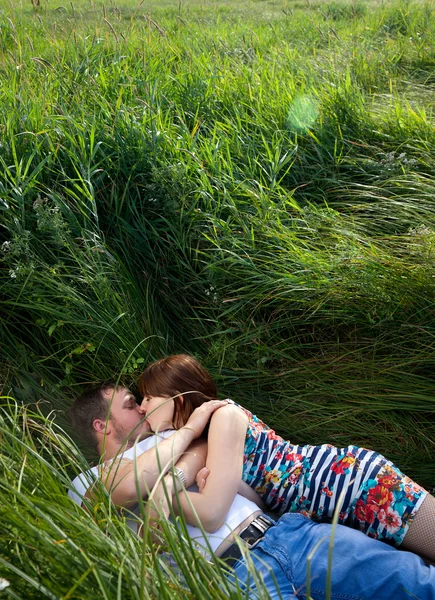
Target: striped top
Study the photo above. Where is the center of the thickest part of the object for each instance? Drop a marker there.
(372, 493)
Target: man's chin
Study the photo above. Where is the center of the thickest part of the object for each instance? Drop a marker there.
(145, 430)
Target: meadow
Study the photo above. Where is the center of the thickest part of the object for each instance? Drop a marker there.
(251, 182)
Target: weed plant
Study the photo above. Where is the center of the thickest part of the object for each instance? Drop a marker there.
(251, 182)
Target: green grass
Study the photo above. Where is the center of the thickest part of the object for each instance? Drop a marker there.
(251, 182)
(51, 548)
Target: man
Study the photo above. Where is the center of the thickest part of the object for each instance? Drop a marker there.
(362, 568)
(110, 421)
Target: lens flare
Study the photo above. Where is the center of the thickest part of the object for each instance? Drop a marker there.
(302, 114)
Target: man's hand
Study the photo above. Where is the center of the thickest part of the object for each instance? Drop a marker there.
(201, 478)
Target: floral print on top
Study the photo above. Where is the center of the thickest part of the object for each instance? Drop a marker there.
(375, 496)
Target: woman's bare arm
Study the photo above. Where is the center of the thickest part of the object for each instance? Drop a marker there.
(244, 490)
(226, 442)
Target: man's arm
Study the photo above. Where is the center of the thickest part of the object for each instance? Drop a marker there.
(162, 495)
(127, 481)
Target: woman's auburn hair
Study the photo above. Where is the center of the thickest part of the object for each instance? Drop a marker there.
(175, 375)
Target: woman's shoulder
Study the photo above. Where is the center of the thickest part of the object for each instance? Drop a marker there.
(230, 417)
(233, 410)
(257, 427)
(245, 410)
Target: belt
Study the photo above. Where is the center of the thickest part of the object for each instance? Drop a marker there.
(251, 535)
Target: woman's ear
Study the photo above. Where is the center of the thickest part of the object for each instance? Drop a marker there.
(180, 418)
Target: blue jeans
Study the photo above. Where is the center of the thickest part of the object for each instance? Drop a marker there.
(362, 568)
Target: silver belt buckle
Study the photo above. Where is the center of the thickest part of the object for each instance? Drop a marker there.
(262, 525)
(251, 546)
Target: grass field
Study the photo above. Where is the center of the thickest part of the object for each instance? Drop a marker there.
(251, 182)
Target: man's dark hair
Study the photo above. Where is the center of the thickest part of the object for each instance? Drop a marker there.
(87, 407)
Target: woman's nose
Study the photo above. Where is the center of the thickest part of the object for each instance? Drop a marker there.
(143, 406)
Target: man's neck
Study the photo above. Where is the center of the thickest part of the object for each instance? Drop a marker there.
(110, 449)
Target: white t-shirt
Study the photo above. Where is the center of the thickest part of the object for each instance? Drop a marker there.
(82, 482)
(240, 510)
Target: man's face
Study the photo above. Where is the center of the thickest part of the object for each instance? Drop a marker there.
(125, 417)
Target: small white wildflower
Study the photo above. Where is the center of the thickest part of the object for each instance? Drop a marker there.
(13, 273)
(6, 247)
(4, 583)
(38, 202)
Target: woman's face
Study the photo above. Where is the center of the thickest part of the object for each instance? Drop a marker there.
(159, 412)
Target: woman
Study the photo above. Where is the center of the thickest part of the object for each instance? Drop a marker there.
(279, 551)
(372, 493)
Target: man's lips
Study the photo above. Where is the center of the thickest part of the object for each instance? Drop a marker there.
(144, 418)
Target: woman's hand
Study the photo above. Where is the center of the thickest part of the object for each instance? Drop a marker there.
(201, 416)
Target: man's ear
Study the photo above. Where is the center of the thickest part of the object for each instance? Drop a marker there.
(101, 426)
